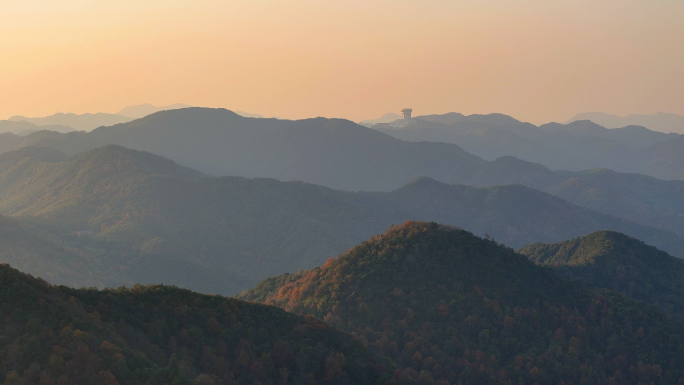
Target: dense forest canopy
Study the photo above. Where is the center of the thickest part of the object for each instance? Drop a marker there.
(448, 307)
(614, 261)
(158, 335)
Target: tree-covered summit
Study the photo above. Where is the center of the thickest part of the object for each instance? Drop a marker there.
(449, 307)
(615, 261)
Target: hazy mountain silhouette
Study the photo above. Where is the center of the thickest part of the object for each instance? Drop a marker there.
(331, 152)
(83, 122)
(248, 115)
(575, 146)
(387, 118)
(660, 121)
(155, 221)
(23, 128)
(142, 110)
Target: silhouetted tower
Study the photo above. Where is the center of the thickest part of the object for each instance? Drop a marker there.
(406, 113)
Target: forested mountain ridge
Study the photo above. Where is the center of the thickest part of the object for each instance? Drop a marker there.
(617, 262)
(145, 219)
(164, 335)
(448, 307)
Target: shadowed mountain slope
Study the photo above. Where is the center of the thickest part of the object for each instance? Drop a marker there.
(448, 307)
(147, 219)
(163, 335)
(46, 255)
(617, 262)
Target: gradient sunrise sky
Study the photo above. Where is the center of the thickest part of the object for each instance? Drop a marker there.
(536, 60)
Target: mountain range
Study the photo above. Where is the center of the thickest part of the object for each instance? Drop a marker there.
(343, 155)
(133, 217)
(660, 121)
(67, 122)
(141, 110)
(332, 152)
(575, 146)
(447, 307)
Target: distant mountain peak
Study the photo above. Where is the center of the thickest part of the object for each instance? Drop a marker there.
(142, 110)
(660, 121)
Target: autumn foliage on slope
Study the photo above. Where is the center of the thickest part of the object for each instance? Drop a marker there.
(163, 335)
(450, 308)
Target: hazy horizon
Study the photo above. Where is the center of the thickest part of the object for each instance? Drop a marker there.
(533, 60)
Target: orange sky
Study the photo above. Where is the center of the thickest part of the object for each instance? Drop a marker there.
(536, 60)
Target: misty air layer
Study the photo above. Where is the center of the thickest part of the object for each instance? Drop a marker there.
(350, 193)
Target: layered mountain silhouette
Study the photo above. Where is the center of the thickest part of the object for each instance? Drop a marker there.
(331, 152)
(164, 335)
(147, 219)
(344, 155)
(660, 121)
(141, 110)
(448, 307)
(23, 128)
(574, 146)
(614, 261)
(82, 122)
(387, 118)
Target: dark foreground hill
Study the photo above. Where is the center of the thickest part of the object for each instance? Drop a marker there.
(617, 262)
(139, 218)
(163, 335)
(448, 307)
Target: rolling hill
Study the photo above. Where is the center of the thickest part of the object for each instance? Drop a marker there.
(147, 219)
(614, 261)
(448, 307)
(163, 335)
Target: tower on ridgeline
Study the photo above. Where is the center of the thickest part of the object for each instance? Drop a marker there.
(406, 113)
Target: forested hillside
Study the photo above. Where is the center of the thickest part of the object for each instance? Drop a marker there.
(138, 218)
(448, 307)
(614, 261)
(158, 335)
(28, 248)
